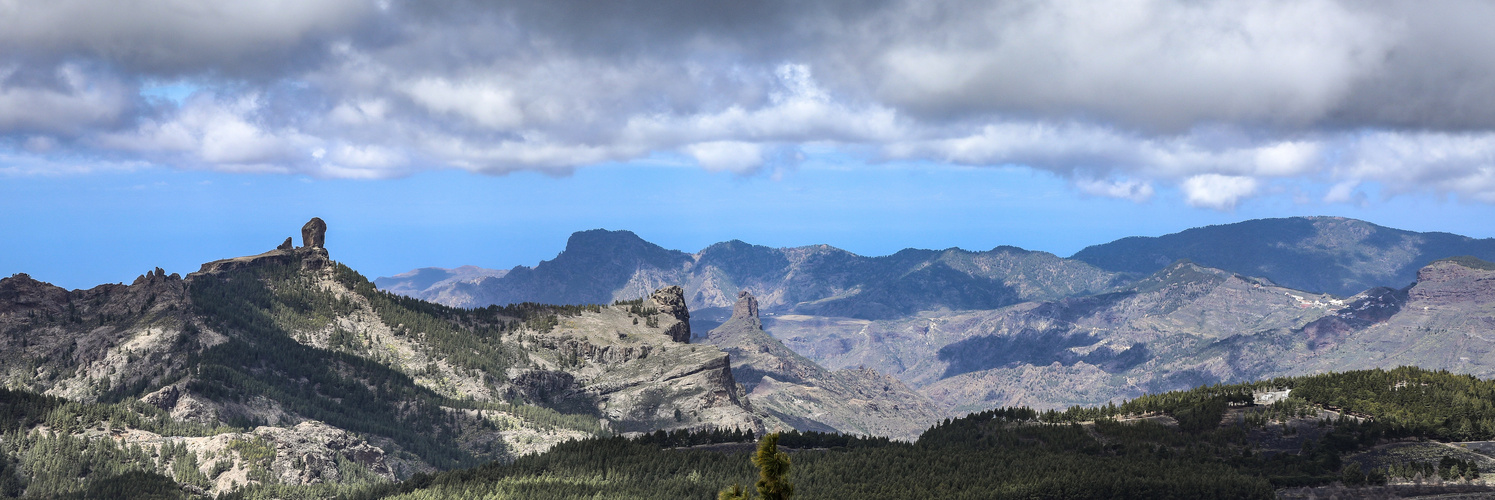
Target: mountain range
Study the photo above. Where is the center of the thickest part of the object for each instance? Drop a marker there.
(287, 369)
(974, 330)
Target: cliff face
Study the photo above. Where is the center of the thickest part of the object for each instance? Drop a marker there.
(1454, 282)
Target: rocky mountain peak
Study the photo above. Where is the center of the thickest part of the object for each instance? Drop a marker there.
(155, 276)
(314, 233)
(311, 256)
(746, 306)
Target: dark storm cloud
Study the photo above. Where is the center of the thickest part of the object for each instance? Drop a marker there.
(1219, 99)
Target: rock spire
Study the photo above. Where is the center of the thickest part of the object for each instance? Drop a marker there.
(314, 233)
(746, 306)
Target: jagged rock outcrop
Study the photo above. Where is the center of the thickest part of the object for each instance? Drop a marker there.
(670, 300)
(746, 306)
(1443, 324)
(311, 256)
(287, 244)
(314, 233)
(636, 374)
(794, 392)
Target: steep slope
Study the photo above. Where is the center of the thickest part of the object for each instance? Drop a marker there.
(1320, 254)
(601, 266)
(802, 395)
(288, 337)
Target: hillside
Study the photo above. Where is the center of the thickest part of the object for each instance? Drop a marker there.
(290, 346)
(794, 393)
(1182, 327)
(1319, 254)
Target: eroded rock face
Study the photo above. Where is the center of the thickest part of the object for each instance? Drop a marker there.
(314, 233)
(746, 306)
(671, 300)
(287, 245)
(1448, 282)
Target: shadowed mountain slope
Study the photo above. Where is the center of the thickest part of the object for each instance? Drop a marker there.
(1319, 254)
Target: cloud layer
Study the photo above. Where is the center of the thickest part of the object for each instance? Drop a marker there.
(1216, 99)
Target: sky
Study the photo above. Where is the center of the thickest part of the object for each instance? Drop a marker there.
(164, 133)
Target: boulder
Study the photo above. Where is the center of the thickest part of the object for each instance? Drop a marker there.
(314, 233)
(287, 245)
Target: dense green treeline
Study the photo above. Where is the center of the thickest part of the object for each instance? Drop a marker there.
(1024, 453)
(1406, 401)
(1001, 461)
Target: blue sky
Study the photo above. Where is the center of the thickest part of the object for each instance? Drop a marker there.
(78, 231)
(143, 134)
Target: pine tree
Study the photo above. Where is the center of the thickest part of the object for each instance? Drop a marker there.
(734, 492)
(773, 469)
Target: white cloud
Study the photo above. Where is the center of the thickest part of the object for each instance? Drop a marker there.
(1220, 192)
(1341, 192)
(1123, 98)
(731, 156)
(1128, 189)
(485, 103)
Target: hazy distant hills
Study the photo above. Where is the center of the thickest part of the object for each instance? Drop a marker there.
(973, 330)
(1319, 254)
(600, 266)
(1316, 254)
(1181, 327)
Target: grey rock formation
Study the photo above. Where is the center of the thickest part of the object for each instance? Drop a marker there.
(746, 306)
(671, 300)
(314, 233)
(795, 392)
(287, 245)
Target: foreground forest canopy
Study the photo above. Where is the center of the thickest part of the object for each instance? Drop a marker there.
(1209, 442)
